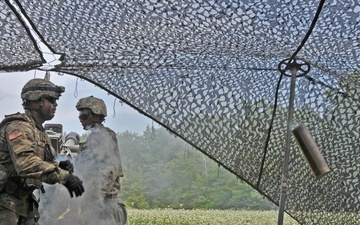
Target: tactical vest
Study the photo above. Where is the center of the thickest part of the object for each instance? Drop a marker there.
(9, 179)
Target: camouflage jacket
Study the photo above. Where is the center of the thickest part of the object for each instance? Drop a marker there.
(99, 162)
(28, 159)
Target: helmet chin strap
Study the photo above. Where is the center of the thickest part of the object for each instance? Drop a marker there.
(94, 120)
(31, 108)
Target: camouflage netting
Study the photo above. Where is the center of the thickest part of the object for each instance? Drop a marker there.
(208, 71)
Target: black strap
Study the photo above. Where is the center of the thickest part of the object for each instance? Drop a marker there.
(36, 88)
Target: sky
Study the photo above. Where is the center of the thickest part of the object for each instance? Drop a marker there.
(121, 117)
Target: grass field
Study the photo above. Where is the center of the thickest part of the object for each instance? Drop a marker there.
(204, 217)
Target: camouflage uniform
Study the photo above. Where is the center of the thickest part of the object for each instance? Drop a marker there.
(100, 156)
(111, 186)
(27, 159)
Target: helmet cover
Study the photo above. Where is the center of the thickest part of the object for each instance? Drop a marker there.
(96, 105)
(37, 88)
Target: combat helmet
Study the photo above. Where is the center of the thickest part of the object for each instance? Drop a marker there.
(37, 88)
(96, 105)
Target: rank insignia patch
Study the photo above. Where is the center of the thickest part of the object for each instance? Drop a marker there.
(15, 134)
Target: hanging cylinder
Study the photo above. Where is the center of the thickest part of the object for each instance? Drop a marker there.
(311, 151)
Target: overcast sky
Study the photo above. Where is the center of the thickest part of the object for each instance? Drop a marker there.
(124, 118)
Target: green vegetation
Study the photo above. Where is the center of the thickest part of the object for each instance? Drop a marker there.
(162, 171)
(204, 217)
(167, 182)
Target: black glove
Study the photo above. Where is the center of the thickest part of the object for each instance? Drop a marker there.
(67, 165)
(74, 184)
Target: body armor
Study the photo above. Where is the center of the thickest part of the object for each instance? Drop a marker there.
(19, 135)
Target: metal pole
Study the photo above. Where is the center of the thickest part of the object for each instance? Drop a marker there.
(283, 187)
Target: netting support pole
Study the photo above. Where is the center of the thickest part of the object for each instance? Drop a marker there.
(283, 187)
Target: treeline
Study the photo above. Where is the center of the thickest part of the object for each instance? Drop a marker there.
(162, 171)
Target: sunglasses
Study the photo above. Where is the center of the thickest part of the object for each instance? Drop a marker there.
(84, 116)
(51, 100)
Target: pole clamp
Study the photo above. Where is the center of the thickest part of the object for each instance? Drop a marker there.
(286, 67)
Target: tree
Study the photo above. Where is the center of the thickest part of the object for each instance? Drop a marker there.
(164, 171)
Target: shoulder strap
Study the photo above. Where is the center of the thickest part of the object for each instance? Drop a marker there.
(15, 116)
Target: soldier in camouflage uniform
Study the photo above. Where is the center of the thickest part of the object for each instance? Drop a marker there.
(27, 158)
(99, 164)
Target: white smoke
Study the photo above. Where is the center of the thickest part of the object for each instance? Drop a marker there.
(92, 167)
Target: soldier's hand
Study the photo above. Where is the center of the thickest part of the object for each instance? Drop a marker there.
(74, 185)
(67, 165)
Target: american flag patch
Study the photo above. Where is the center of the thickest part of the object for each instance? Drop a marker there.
(15, 134)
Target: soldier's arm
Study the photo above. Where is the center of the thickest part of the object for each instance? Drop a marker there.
(27, 155)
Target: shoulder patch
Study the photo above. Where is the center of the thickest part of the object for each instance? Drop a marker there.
(15, 134)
